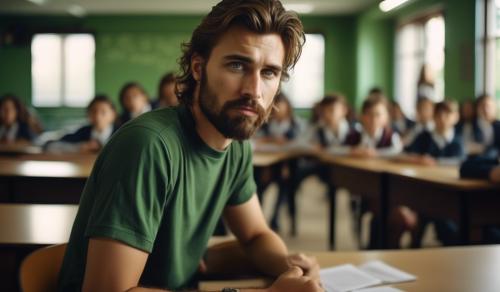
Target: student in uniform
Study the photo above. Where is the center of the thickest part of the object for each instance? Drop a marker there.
(375, 138)
(484, 167)
(400, 123)
(428, 148)
(90, 138)
(489, 125)
(468, 128)
(166, 92)
(14, 121)
(164, 179)
(442, 142)
(282, 129)
(134, 102)
(424, 119)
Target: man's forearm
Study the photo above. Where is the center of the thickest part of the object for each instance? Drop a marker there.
(268, 253)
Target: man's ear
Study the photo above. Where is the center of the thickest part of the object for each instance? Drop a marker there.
(197, 62)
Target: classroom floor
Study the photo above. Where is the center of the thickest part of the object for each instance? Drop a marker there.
(312, 221)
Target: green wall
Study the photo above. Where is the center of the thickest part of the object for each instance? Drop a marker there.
(142, 48)
(359, 51)
(375, 50)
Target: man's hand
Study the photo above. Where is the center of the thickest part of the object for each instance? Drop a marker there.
(293, 280)
(309, 265)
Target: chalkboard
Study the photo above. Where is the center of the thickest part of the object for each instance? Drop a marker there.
(135, 56)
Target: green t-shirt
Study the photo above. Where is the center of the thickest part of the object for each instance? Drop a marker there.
(159, 188)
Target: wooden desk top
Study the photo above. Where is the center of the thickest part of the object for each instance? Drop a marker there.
(19, 148)
(32, 224)
(441, 269)
(16, 167)
(445, 176)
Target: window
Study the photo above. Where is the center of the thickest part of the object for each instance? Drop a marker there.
(419, 43)
(306, 84)
(62, 69)
(490, 38)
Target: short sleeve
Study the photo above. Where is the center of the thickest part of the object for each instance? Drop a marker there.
(131, 186)
(245, 184)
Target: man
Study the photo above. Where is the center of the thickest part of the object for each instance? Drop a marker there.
(160, 185)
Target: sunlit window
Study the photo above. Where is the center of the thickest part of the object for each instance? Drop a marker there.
(62, 69)
(306, 83)
(419, 44)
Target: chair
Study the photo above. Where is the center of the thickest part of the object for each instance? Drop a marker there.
(39, 270)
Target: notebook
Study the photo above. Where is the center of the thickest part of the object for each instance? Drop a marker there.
(351, 278)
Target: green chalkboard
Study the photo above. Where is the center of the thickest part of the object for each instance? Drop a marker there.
(141, 57)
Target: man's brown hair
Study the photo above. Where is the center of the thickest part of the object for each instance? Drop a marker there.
(260, 16)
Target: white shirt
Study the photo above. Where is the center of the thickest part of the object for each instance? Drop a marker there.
(101, 137)
(443, 140)
(487, 130)
(372, 142)
(336, 138)
(9, 133)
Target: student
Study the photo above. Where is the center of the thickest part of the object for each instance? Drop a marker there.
(14, 121)
(282, 126)
(332, 128)
(162, 182)
(166, 92)
(134, 102)
(468, 128)
(282, 129)
(424, 120)
(91, 138)
(376, 137)
(400, 123)
(442, 142)
(427, 149)
(489, 126)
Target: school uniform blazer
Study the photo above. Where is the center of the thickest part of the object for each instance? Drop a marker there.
(409, 124)
(425, 144)
(478, 167)
(354, 138)
(81, 135)
(476, 131)
(24, 132)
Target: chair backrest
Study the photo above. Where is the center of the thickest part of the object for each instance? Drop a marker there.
(40, 270)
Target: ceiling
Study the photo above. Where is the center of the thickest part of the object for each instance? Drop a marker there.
(92, 7)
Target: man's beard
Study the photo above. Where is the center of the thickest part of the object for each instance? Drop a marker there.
(238, 127)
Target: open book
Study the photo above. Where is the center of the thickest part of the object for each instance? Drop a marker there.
(350, 278)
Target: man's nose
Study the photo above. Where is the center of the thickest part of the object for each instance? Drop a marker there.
(252, 85)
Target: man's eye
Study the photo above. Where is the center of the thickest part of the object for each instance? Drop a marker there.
(235, 66)
(269, 73)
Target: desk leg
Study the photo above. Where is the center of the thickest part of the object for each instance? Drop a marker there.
(464, 219)
(384, 212)
(332, 191)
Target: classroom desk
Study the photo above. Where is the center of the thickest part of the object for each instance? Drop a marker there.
(26, 227)
(363, 177)
(44, 178)
(457, 269)
(439, 192)
(35, 224)
(19, 148)
(452, 269)
(435, 191)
